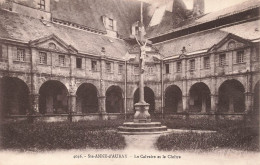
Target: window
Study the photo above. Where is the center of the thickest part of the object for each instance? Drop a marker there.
(52, 46)
(192, 64)
(240, 56)
(206, 63)
(120, 69)
(79, 63)
(62, 60)
(43, 58)
(20, 55)
(42, 4)
(178, 66)
(94, 65)
(222, 59)
(167, 68)
(150, 70)
(110, 23)
(108, 67)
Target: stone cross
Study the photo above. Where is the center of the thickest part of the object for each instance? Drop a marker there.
(141, 108)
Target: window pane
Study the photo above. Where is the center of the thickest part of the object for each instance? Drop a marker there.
(78, 62)
(43, 58)
(94, 65)
(20, 55)
(120, 69)
(206, 62)
(240, 56)
(108, 67)
(192, 64)
(167, 68)
(178, 66)
(110, 23)
(150, 70)
(62, 60)
(42, 4)
(222, 59)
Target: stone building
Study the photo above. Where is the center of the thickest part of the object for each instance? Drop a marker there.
(61, 58)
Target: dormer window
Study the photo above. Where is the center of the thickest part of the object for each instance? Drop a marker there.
(109, 23)
(135, 29)
(42, 4)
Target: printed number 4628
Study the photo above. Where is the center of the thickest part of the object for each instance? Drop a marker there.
(77, 156)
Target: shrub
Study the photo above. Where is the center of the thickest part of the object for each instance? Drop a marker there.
(61, 135)
(201, 124)
(235, 138)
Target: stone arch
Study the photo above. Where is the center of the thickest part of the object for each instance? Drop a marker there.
(14, 96)
(173, 99)
(96, 85)
(231, 96)
(241, 80)
(199, 98)
(87, 98)
(149, 97)
(114, 100)
(53, 97)
(65, 82)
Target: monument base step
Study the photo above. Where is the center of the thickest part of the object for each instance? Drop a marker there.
(142, 128)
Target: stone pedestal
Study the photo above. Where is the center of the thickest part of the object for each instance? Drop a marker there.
(141, 113)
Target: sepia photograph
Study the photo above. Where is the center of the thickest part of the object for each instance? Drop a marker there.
(122, 82)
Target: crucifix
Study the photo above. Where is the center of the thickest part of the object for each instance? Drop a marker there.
(141, 108)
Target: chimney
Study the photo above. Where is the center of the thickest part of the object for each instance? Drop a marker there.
(198, 7)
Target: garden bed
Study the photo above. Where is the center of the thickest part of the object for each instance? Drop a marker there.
(61, 135)
(230, 134)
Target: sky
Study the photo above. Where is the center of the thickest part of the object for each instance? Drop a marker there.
(214, 5)
(210, 5)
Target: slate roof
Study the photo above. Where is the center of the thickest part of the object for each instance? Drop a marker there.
(205, 40)
(23, 28)
(89, 12)
(171, 27)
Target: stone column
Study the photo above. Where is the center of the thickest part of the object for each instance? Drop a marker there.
(231, 105)
(185, 103)
(72, 103)
(248, 101)
(34, 103)
(102, 104)
(214, 99)
(203, 104)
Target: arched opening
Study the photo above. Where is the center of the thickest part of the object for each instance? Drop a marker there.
(199, 100)
(14, 96)
(53, 97)
(148, 97)
(87, 100)
(173, 99)
(114, 100)
(231, 97)
(256, 99)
